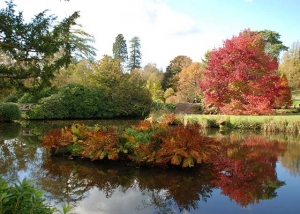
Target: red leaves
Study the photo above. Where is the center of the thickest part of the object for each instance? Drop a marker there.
(240, 76)
(247, 169)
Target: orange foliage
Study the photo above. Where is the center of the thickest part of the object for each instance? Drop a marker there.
(100, 144)
(184, 145)
(285, 96)
(57, 138)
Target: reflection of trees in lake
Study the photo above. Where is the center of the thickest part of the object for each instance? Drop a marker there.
(244, 170)
(247, 169)
(291, 158)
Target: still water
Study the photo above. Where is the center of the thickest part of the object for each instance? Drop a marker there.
(257, 174)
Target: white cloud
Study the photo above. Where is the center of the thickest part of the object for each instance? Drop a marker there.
(248, 0)
(164, 33)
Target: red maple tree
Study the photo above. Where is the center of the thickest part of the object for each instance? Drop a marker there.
(240, 77)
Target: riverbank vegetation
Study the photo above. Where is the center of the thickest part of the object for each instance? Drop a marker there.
(23, 197)
(289, 124)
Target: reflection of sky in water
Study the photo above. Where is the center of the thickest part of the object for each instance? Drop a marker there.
(131, 201)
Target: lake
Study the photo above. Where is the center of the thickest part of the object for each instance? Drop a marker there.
(256, 173)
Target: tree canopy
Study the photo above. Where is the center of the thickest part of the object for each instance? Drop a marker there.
(273, 45)
(188, 83)
(240, 77)
(290, 65)
(32, 52)
(171, 76)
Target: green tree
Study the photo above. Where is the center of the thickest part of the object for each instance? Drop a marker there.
(135, 56)
(106, 73)
(34, 51)
(273, 45)
(126, 91)
(154, 86)
(78, 72)
(290, 65)
(120, 49)
(171, 75)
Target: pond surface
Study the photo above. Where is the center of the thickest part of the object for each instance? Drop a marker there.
(259, 174)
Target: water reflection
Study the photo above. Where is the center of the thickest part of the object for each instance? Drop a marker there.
(244, 171)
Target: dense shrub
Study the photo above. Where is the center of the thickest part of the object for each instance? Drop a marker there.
(31, 96)
(73, 101)
(9, 112)
(22, 198)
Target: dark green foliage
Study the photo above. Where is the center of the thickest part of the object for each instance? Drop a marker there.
(9, 112)
(35, 96)
(171, 75)
(135, 56)
(22, 198)
(32, 52)
(273, 45)
(120, 49)
(73, 101)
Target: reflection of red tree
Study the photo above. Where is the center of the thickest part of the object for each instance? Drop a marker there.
(247, 169)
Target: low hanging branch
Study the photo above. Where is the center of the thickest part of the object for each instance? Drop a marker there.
(34, 51)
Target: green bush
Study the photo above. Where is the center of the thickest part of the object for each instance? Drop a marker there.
(22, 198)
(73, 101)
(9, 112)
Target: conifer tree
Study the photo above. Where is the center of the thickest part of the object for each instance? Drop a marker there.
(120, 49)
(135, 56)
(32, 52)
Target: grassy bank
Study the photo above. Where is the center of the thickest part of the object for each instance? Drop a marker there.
(268, 124)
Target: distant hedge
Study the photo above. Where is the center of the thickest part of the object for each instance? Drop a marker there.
(73, 101)
(9, 112)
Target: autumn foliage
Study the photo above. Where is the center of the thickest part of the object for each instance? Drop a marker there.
(247, 169)
(284, 97)
(240, 77)
(146, 143)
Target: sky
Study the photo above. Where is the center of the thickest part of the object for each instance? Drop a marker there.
(169, 28)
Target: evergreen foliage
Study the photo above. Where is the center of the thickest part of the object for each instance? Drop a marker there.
(73, 101)
(273, 44)
(9, 112)
(120, 49)
(135, 55)
(34, 51)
